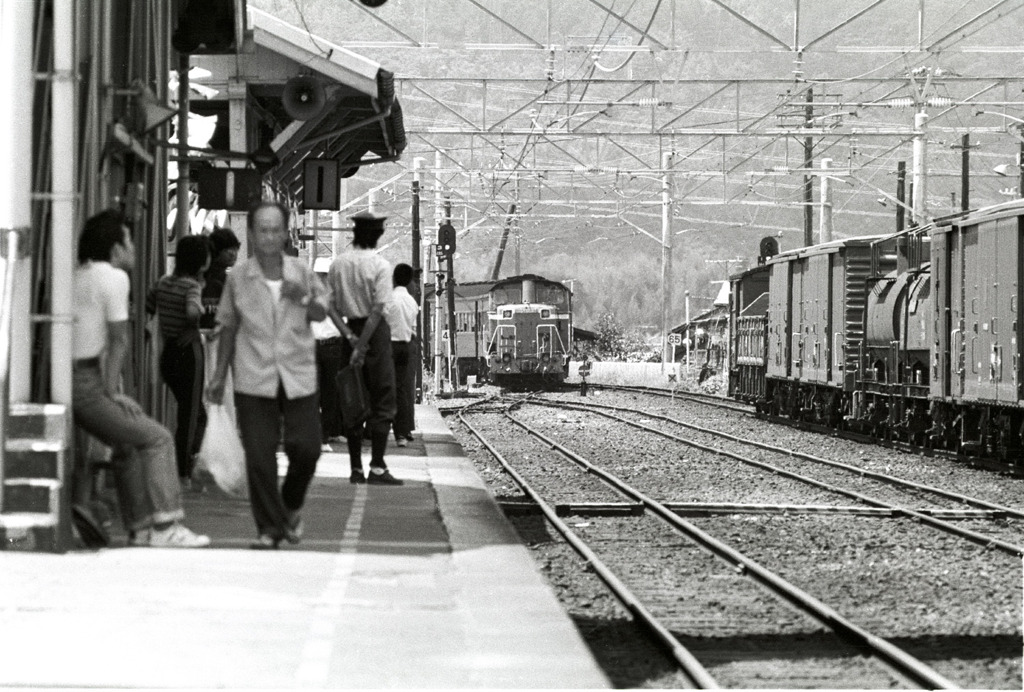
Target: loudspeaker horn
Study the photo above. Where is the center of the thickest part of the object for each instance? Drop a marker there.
(304, 97)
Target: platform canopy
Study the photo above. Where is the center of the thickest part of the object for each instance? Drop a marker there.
(359, 122)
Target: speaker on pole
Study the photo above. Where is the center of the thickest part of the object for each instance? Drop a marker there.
(304, 97)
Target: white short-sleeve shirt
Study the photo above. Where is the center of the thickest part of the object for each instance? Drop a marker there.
(101, 297)
(359, 279)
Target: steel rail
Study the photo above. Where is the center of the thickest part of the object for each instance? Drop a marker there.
(876, 475)
(899, 445)
(688, 663)
(710, 399)
(901, 661)
(973, 536)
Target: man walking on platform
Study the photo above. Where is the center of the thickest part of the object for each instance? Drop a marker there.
(265, 313)
(401, 313)
(360, 282)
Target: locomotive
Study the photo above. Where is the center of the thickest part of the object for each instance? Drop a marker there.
(529, 331)
(912, 336)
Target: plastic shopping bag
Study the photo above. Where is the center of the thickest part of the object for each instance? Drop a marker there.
(221, 453)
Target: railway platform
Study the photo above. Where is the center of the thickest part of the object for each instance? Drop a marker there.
(424, 585)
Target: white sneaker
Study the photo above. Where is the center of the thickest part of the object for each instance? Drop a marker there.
(177, 536)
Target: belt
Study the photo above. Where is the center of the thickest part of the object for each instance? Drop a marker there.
(84, 363)
(329, 342)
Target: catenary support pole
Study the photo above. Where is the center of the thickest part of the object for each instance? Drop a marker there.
(825, 229)
(666, 255)
(920, 178)
(417, 271)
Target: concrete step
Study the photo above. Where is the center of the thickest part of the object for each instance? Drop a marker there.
(35, 495)
(25, 458)
(30, 532)
(34, 511)
(37, 421)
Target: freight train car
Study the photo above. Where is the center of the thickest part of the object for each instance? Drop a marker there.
(748, 319)
(913, 336)
(529, 332)
(977, 266)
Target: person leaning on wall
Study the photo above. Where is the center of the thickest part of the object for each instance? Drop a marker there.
(143, 461)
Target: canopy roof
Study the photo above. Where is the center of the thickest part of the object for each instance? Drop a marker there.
(360, 123)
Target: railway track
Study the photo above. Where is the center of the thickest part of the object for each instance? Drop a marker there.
(1008, 467)
(941, 505)
(609, 518)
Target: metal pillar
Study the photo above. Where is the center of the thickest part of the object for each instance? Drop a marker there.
(666, 255)
(65, 208)
(808, 179)
(438, 218)
(825, 229)
(417, 273)
(181, 218)
(920, 179)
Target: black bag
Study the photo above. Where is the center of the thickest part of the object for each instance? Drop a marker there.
(353, 397)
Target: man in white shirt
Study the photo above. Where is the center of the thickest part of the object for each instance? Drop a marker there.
(360, 283)
(328, 362)
(401, 316)
(144, 463)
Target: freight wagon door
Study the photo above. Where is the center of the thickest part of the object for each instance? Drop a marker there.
(974, 277)
(798, 314)
(943, 366)
(816, 322)
(778, 320)
(1000, 241)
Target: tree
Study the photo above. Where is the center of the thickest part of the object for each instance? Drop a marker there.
(616, 343)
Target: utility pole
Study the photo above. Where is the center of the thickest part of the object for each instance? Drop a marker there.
(901, 195)
(417, 272)
(1020, 165)
(453, 374)
(808, 179)
(438, 218)
(919, 173)
(666, 254)
(686, 296)
(965, 173)
(518, 229)
(825, 229)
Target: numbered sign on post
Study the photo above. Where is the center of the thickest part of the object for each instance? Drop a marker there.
(320, 187)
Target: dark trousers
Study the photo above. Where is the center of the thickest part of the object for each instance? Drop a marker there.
(183, 368)
(404, 384)
(379, 375)
(328, 362)
(259, 422)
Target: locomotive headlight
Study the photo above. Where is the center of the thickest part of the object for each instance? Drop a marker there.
(506, 357)
(545, 357)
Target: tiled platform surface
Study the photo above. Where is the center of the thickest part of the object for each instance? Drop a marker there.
(422, 586)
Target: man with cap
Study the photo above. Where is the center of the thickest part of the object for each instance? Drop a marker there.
(224, 247)
(360, 283)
